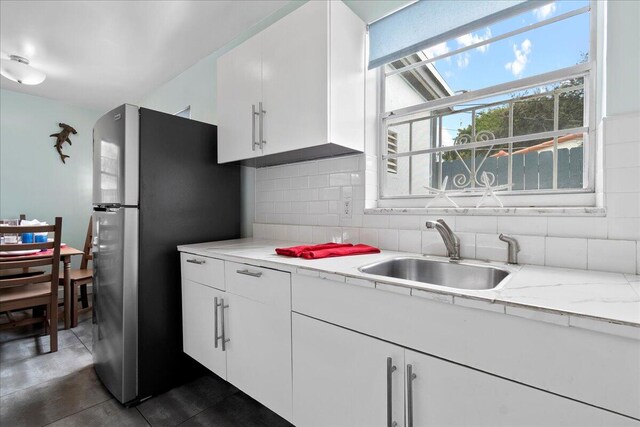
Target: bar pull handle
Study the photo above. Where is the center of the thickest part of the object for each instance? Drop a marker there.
(410, 377)
(223, 336)
(196, 261)
(249, 273)
(261, 125)
(215, 321)
(391, 368)
(254, 113)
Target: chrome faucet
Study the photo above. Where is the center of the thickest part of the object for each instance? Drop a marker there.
(451, 241)
(513, 248)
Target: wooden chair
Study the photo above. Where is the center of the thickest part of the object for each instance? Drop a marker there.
(20, 292)
(80, 278)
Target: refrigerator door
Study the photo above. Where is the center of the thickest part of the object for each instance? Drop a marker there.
(116, 147)
(115, 304)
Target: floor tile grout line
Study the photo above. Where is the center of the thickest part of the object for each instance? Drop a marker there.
(81, 342)
(77, 412)
(208, 407)
(143, 417)
(2, 396)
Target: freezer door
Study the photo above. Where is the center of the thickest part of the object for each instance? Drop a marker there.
(116, 147)
(115, 304)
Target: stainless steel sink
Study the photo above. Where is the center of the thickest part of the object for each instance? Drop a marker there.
(441, 273)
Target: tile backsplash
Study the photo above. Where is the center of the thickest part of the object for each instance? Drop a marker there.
(307, 202)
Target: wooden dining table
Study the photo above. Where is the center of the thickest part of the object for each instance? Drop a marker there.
(66, 253)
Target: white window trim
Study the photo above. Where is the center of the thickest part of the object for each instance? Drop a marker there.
(542, 198)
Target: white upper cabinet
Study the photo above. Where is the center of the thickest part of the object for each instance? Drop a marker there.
(310, 84)
(239, 89)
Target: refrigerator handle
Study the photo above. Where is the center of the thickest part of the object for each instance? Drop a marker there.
(261, 117)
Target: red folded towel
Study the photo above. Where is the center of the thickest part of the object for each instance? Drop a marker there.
(343, 251)
(296, 251)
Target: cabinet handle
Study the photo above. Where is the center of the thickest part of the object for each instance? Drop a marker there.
(410, 377)
(249, 273)
(223, 337)
(390, 370)
(215, 321)
(254, 113)
(261, 121)
(196, 261)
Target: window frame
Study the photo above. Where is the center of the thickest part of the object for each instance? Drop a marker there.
(511, 198)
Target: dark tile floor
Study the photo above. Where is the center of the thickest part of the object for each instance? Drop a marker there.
(39, 388)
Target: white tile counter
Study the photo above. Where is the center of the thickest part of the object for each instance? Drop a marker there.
(599, 301)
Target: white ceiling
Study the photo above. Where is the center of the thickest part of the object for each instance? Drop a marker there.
(99, 54)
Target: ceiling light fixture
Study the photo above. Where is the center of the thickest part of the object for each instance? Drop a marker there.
(17, 68)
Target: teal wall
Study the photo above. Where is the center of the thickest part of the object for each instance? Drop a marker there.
(33, 179)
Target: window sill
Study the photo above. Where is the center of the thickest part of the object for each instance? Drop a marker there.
(493, 211)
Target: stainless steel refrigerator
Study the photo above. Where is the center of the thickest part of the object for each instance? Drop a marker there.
(156, 184)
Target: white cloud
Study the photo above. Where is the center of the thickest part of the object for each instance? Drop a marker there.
(518, 65)
(447, 139)
(437, 50)
(544, 11)
(469, 39)
(463, 60)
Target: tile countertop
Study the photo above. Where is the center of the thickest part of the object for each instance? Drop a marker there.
(600, 301)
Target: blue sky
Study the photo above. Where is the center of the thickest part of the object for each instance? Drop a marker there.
(535, 52)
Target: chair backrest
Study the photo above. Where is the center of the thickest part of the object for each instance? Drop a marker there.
(88, 255)
(51, 258)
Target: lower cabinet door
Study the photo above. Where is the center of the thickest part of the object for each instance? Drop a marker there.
(259, 352)
(342, 378)
(199, 325)
(445, 394)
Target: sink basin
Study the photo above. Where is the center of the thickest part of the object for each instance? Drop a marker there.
(441, 273)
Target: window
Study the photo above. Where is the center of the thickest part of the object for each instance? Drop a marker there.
(511, 101)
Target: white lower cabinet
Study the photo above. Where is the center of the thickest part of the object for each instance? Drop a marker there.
(340, 379)
(259, 352)
(199, 325)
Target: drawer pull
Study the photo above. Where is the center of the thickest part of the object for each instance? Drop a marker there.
(196, 261)
(249, 273)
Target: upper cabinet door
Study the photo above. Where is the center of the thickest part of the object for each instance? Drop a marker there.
(295, 67)
(239, 88)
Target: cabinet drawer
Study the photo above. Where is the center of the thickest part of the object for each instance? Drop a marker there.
(204, 270)
(259, 284)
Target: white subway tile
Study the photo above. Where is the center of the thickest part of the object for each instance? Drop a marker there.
(622, 180)
(477, 224)
(319, 208)
(624, 228)
(410, 241)
(432, 243)
(618, 256)
(467, 244)
(566, 252)
(357, 178)
(289, 218)
(299, 207)
(351, 235)
(328, 220)
(292, 233)
(282, 184)
(338, 179)
(404, 222)
(333, 207)
(318, 235)
(583, 227)
(305, 234)
(330, 193)
(333, 234)
(527, 225)
(621, 128)
(282, 207)
(388, 239)
(375, 221)
(360, 282)
(308, 219)
(273, 218)
(623, 205)
(369, 236)
(265, 207)
(259, 231)
(623, 155)
(489, 247)
(317, 181)
(300, 182)
(531, 249)
(354, 221)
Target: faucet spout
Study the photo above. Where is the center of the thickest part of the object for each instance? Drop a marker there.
(451, 241)
(513, 248)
